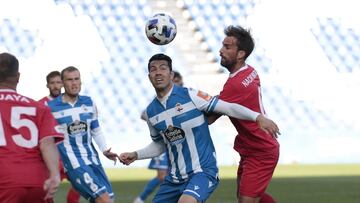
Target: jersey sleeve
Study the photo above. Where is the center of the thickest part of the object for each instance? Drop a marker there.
(155, 134)
(203, 101)
(94, 121)
(48, 124)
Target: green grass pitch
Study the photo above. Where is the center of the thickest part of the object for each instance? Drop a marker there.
(290, 184)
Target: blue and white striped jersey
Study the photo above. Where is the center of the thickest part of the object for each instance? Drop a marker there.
(182, 125)
(78, 122)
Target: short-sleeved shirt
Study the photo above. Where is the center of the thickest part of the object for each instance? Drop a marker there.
(23, 124)
(243, 87)
(182, 125)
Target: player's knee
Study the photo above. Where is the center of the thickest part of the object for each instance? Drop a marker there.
(161, 175)
(246, 199)
(104, 198)
(187, 199)
(161, 178)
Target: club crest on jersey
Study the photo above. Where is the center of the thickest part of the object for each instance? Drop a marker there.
(84, 108)
(178, 107)
(174, 135)
(76, 128)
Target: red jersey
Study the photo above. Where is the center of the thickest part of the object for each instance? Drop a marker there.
(23, 124)
(243, 87)
(45, 100)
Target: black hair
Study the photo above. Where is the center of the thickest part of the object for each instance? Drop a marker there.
(9, 66)
(158, 57)
(245, 42)
(177, 74)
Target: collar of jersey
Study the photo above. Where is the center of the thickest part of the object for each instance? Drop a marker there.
(240, 69)
(7, 90)
(166, 97)
(60, 99)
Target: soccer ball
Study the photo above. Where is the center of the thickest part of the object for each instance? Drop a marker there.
(160, 29)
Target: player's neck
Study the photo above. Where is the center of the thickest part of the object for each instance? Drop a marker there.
(7, 86)
(237, 67)
(70, 98)
(164, 92)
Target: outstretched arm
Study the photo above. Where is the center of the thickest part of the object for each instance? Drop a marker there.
(101, 143)
(241, 112)
(50, 155)
(235, 110)
(268, 125)
(154, 149)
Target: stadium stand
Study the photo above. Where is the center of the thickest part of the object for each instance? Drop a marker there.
(121, 88)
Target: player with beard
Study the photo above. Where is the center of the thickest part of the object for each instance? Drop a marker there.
(54, 84)
(259, 150)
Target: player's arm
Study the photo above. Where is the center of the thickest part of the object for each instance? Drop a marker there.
(101, 143)
(50, 156)
(99, 137)
(210, 104)
(241, 112)
(143, 115)
(154, 149)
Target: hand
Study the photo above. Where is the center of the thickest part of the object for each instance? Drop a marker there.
(268, 125)
(51, 185)
(128, 157)
(110, 155)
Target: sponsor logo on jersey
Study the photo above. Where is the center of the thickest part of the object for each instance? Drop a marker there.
(204, 95)
(174, 135)
(77, 127)
(196, 187)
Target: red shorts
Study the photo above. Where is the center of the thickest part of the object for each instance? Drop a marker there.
(24, 195)
(255, 173)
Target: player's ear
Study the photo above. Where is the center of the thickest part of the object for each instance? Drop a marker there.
(172, 75)
(17, 77)
(241, 54)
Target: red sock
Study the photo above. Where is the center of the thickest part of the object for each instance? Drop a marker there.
(266, 198)
(72, 196)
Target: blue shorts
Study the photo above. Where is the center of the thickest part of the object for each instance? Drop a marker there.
(160, 162)
(90, 181)
(200, 186)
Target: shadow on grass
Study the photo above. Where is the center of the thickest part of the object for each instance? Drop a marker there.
(345, 189)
